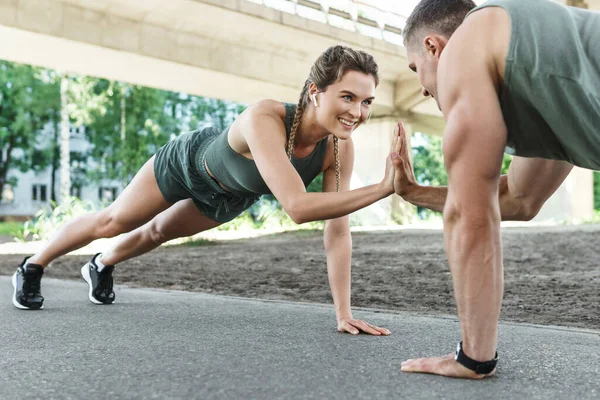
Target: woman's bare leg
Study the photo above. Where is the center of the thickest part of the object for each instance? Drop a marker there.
(137, 204)
(181, 220)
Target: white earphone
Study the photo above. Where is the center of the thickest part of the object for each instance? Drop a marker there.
(314, 97)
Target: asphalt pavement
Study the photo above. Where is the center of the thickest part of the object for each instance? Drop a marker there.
(157, 344)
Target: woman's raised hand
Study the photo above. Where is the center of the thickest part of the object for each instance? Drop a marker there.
(388, 179)
(404, 177)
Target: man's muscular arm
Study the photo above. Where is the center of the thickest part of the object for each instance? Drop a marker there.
(473, 148)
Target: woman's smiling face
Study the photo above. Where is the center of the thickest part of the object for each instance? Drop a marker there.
(345, 104)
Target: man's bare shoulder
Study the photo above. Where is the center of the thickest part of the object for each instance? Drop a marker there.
(486, 33)
(493, 15)
(483, 25)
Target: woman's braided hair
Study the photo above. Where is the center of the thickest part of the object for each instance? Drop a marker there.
(329, 68)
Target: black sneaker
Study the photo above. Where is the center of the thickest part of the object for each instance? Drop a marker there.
(27, 282)
(101, 283)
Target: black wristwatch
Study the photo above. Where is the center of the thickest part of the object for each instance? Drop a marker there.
(480, 367)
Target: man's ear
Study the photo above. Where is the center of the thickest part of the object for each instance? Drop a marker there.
(433, 45)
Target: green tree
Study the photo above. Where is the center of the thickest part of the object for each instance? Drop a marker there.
(202, 111)
(139, 120)
(27, 104)
(596, 190)
(428, 161)
(79, 104)
(119, 151)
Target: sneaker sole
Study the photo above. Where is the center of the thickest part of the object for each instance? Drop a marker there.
(85, 273)
(14, 297)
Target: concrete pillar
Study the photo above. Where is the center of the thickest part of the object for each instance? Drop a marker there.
(574, 199)
(372, 145)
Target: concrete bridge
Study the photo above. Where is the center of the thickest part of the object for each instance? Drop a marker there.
(239, 50)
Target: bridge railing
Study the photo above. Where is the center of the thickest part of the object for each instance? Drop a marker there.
(363, 16)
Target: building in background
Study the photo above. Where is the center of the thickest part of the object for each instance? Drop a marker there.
(33, 189)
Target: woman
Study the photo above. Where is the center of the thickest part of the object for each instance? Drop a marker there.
(205, 178)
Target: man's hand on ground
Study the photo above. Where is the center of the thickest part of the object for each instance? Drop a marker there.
(445, 366)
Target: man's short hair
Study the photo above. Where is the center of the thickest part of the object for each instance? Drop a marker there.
(440, 16)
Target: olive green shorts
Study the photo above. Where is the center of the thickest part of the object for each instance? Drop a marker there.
(181, 174)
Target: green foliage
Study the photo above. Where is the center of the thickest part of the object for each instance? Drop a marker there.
(27, 103)
(198, 243)
(267, 214)
(86, 100)
(147, 127)
(428, 160)
(429, 169)
(201, 112)
(153, 117)
(47, 221)
(594, 219)
(316, 185)
(596, 190)
(270, 206)
(506, 160)
(10, 228)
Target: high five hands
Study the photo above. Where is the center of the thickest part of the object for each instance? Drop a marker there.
(399, 176)
(404, 177)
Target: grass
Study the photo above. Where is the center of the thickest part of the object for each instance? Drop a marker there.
(9, 228)
(198, 243)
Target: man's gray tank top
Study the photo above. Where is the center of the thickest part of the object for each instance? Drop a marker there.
(551, 94)
(240, 174)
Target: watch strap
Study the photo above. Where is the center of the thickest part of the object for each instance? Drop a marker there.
(480, 367)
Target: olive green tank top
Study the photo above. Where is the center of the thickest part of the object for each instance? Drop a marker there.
(240, 174)
(551, 94)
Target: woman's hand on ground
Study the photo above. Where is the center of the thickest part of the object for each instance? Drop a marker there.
(355, 326)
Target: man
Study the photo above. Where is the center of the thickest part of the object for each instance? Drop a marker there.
(520, 75)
